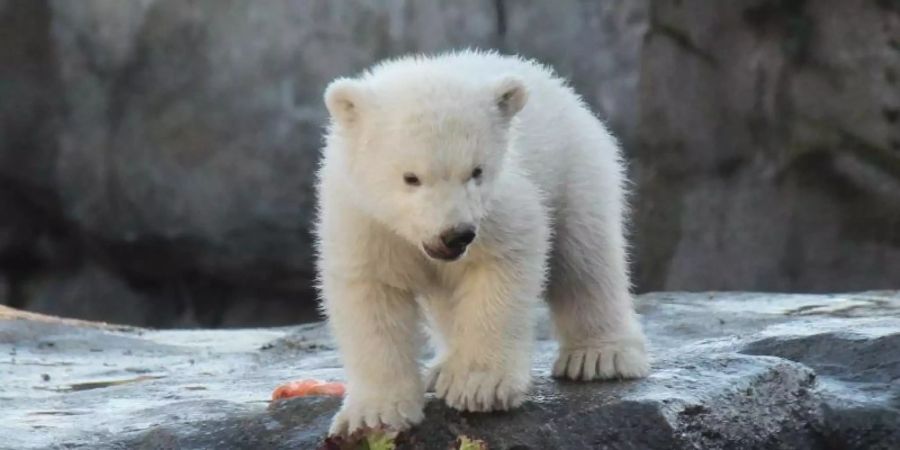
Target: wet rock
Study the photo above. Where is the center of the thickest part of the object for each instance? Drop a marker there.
(860, 373)
(564, 415)
(730, 371)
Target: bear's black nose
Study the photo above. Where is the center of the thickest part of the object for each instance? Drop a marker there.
(458, 237)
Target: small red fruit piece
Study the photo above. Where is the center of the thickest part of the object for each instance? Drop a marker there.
(308, 388)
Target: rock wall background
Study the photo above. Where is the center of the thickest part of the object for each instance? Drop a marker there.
(769, 153)
(156, 155)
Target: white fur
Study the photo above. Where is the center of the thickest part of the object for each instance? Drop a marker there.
(551, 201)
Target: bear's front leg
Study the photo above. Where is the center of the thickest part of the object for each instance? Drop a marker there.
(486, 365)
(376, 329)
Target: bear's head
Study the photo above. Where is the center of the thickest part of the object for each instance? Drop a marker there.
(423, 152)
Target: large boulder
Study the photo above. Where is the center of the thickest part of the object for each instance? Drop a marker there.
(769, 148)
(174, 143)
(730, 371)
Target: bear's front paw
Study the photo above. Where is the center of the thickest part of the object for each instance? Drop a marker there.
(395, 414)
(478, 390)
(603, 361)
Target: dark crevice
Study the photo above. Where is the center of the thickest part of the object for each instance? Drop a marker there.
(682, 40)
(890, 76)
(729, 167)
(788, 19)
(500, 8)
(891, 114)
(892, 6)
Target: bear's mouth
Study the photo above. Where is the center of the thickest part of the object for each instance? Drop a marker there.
(443, 253)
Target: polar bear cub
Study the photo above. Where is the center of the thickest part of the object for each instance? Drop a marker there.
(457, 190)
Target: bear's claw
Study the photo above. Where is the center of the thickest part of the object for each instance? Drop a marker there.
(602, 362)
(477, 391)
(392, 414)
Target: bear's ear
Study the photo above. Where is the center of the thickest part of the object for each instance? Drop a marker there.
(510, 96)
(344, 99)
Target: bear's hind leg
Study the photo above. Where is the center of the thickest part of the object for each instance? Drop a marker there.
(590, 300)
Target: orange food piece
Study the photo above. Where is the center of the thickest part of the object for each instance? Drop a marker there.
(308, 388)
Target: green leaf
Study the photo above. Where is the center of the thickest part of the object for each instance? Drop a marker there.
(380, 441)
(471, 444)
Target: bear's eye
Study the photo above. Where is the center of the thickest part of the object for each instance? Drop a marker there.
(476, 173)
(411, 179)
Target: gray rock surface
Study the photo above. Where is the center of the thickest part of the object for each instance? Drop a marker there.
(173, 144)
(731, 371)
(769, 148)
